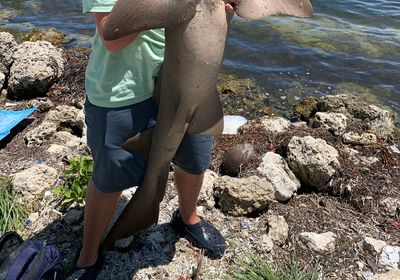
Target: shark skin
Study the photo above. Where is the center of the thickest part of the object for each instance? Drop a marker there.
(196, 33)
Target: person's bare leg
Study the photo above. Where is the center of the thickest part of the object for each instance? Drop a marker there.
(188, 186)
(99, 209)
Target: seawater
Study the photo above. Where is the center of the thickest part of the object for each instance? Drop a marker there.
(349, 46)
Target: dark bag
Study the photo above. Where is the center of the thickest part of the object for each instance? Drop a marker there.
(29, 260)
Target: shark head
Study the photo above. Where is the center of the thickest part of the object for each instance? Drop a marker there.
(257, 9)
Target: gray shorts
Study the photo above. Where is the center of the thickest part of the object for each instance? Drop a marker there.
(116, 168)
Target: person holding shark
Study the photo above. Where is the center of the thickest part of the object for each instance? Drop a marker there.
(119, 82)
(126, 56)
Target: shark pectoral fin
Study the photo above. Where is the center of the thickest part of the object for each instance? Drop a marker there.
(208, 119)
(257, 9)
(129, 16)
(140, 143)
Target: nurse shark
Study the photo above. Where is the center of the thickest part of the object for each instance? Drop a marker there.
(196, 32)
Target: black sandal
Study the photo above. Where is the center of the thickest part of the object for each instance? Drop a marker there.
(89, 272)
(201, 235)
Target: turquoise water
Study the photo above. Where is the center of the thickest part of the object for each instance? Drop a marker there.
(348, 46)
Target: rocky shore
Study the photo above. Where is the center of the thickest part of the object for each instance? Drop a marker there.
(322, 186)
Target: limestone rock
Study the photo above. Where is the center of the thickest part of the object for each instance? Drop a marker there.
(40, 134)
(34, 181)
(320, 243)
(390, 206)
(8, 46)
(206, 197)
(242, 196)
(266, 243)
(278, 229)
(313, 160)
(63, 114)
(336, 123)
(37, 65)
(2, 80)
(277, 172)
(275, 124)
(52, 35)
(359, 139)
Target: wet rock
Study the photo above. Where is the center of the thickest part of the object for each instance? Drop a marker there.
(277, 172)
(236, 158)
(34, 181)
(243, 196)
(278, 229)
(372, 245)
(390, 206)
(320, 243)
(312, 160)
(37, 65)
(336, 123)
(275, 124)
(390, 257)
(8, 46)
(306, 108)
(355, 138)
(52, 35)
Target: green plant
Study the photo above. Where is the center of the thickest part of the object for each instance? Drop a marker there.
(12, 213)
(254, 267)
(78, 174)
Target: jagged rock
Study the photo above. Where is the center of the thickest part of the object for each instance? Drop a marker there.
(357, 159)
(390, 275)
(57, 123)
(372, 245)
(37, 65)
(40, 134)
(236, 158)
(206, 196)
(336, 123)
(313, 160)
(380, 121)
(275, 124)
(266, 243)
(277, 172)
(34, 181)
(355, 138)
(390, 257)
(2, 80)
(242, 196)
(320, 243)
(390, 206)
(7, 48)
(63, 114)
(278, 229)
(60, 151)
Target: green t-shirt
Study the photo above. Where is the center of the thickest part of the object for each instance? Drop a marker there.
(127, 76)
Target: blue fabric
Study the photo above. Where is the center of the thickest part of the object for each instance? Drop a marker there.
(9, 119)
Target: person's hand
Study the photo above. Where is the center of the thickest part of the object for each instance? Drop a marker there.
(229, 7)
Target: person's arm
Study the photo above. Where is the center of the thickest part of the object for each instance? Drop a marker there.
(114, 45)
